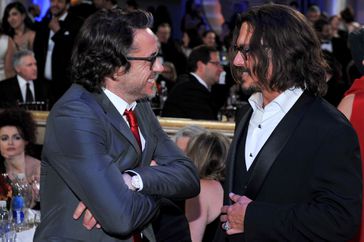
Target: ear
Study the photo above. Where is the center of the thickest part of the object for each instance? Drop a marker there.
(119, 72)
(200, 65)
(17, 70)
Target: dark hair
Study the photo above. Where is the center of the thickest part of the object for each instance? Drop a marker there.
(104, 40)
(199, 53)
(132, 3)
(209, 151)
(356, 43)
(22, 120)
(320, 23)
(283, 38)
(206, 32)
(20, 7)
(347, 14)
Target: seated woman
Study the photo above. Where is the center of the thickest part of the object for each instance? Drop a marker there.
(17, 134)
(208, 151)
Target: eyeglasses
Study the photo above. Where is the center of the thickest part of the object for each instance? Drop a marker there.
(150, 59)
(216, 63)
(244, 51)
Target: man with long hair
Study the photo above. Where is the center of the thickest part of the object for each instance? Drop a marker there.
(293, 171)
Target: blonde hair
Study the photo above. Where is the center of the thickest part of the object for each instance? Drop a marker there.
(209, 152)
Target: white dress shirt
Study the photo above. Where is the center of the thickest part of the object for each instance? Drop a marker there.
(265, 120)
(121, 106)
(23, 86)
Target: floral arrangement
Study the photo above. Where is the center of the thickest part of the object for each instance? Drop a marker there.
(6, 190)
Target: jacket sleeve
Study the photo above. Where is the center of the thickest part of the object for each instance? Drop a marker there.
(175, 176)
(333, 211)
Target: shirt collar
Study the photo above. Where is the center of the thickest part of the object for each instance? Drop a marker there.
(22, 81)
(200, 80)
(63, 17)
(119, 103)
(284, 101)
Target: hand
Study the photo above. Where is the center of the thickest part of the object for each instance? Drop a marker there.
(54, 25)
(35, 185)
(234, 214)
(88, 220)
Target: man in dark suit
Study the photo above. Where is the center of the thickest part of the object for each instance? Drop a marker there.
(53, 45)
(104, 149)
(337, 46)
(24, 87)
(293, 171)
(191, 96)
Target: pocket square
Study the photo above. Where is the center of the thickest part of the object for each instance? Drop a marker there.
(66, 33)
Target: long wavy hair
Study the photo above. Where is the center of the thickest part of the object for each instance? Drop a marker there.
(284, 39)
(5, 24)
(103, 43)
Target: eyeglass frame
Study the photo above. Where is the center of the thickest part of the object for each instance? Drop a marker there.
(244, 51)
(150, 59)
(216, 63)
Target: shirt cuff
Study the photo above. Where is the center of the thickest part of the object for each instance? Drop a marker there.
(136, 180)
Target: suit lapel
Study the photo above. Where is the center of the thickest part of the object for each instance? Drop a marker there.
(147, 134)
(17, 91)
(116, 120)
(275, 144)
(234, 144)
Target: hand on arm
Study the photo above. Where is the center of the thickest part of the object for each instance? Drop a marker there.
(89, 220)
(234, 214)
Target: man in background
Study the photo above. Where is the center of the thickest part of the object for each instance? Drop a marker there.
(191, 95)
(53, 46)
(24, 88)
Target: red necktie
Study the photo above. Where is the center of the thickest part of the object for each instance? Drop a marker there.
(133, 123)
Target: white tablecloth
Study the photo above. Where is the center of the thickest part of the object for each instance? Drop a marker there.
(25, 236)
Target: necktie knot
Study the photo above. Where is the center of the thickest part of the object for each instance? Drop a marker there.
(130, 116)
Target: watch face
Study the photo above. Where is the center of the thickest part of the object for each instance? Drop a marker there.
(135, 182)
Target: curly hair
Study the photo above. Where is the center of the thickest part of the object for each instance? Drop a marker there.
(283, 39)
(103, 43)
(208, 151)
(5, 24)
(22, 120)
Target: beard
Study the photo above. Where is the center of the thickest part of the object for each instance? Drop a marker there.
(237, 73)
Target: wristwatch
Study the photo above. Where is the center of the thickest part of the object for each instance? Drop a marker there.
(136, 183)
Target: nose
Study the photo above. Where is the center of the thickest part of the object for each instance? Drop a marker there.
(238, 60)
(10, 141)
(158, 66)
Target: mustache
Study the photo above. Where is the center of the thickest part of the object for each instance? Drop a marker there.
(237, 72)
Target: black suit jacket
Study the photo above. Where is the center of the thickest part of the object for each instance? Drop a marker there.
(10, 93)
(61, 55)
(312, 192)
(190, 99)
